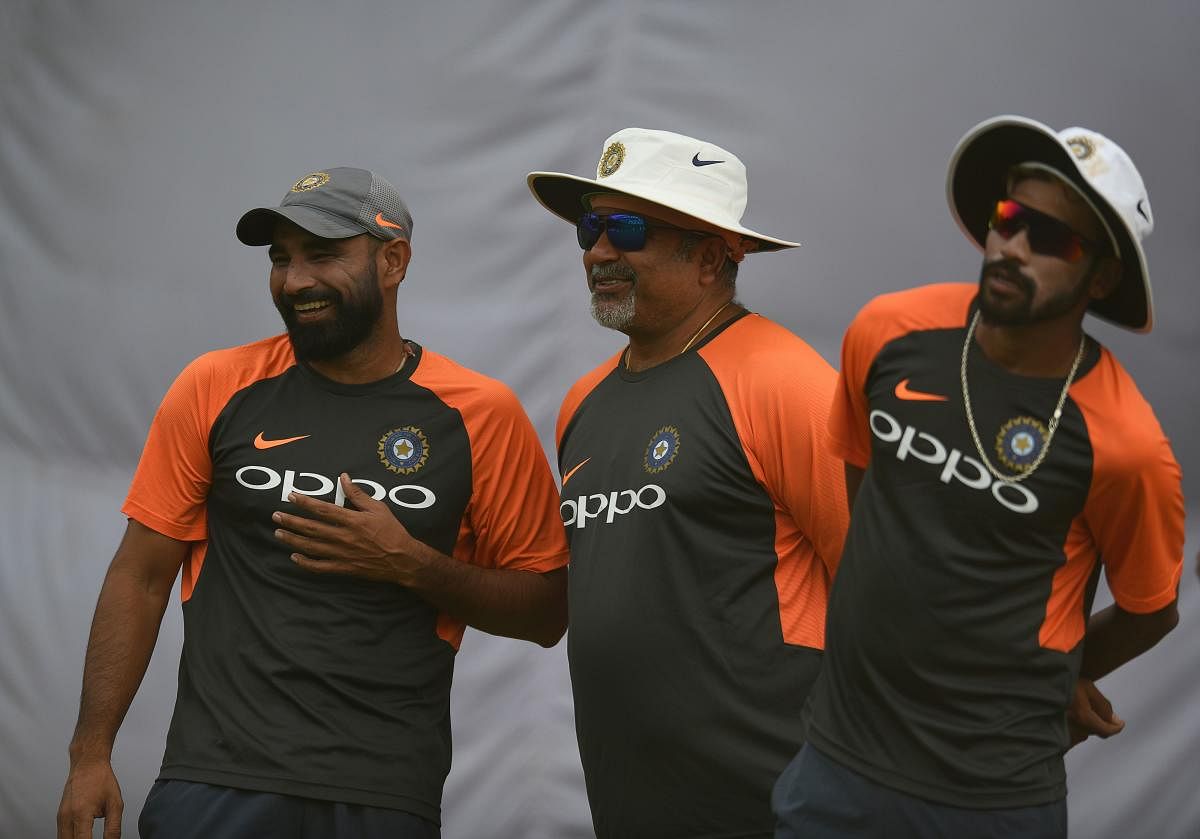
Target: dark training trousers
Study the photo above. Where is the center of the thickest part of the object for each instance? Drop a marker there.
(817, 798)
(186, 810)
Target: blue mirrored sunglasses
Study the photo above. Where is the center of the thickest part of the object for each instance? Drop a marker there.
(626, 231)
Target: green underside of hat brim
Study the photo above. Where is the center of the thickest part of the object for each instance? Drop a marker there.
(564, 195)
(980, 179)
(257, 226)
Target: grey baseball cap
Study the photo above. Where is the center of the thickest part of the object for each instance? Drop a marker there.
(333, 204)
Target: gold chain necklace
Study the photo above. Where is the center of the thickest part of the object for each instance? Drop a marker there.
(703, 327)
(1051, 426)
(691, 340)
(408, 351)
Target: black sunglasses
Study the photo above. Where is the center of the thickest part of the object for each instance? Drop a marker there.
(1047, 235)
(626, 231)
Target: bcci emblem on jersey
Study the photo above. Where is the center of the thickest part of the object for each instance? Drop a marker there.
(404, 450)
(1019, 442)
(661, 451)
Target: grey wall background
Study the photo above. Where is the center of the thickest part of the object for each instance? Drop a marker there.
(133, 134)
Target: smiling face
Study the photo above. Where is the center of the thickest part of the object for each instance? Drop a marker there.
(1019, 286)
(326, 290)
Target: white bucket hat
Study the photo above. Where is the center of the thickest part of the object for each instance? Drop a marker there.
(688, 175)
(1096, 166)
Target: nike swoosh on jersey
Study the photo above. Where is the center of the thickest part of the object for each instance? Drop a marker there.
(261, 442)
(574, 469)
(908, 395)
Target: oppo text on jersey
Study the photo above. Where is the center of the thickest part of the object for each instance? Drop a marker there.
(577, 511)
(929, 449)
(411, 496)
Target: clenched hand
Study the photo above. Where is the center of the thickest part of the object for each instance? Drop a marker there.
(1090, 713)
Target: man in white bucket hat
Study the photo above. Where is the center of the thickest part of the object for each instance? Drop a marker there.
(997, 459)
(705, 517)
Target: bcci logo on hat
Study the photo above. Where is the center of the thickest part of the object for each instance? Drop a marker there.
(611, 160)
(313, 181)
(404, 450)
(662, 449)
(1082, 147)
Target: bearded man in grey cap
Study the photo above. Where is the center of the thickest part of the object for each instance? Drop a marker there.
(704, 515)
(340, 501)
(998, 459)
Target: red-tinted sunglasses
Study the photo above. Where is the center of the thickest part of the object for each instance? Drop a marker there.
(1046, 234)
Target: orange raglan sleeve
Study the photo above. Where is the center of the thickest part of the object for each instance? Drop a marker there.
(512, 519)
(171, 483)
(788, 409)
(566, 411)
(880, 321)
(1135, 508)
(578, 393)
(847, 435)
(778, 391)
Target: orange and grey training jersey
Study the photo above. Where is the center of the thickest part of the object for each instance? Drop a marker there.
(705, 520)
(329, 686)
(957, 617)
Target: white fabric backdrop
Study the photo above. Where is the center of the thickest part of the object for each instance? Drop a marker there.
(133, 133)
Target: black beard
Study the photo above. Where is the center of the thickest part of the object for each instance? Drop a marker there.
(1024, 314)
(352, 322)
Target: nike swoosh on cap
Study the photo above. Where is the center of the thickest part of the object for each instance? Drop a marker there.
(382, 222)
(696, 161)
(261, 442)
(903, 391)
(573, 470)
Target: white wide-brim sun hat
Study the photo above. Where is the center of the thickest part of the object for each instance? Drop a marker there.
(687, 175)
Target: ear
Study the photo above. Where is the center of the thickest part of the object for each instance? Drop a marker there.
(711, 256)
(1106, 274)
(391, 262)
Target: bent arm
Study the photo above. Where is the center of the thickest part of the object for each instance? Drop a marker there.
(519, 604)
(1115, 636)
(369, 542)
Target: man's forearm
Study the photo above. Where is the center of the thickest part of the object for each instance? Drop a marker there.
(124, 630)
(1115, 636)
(518, 604)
